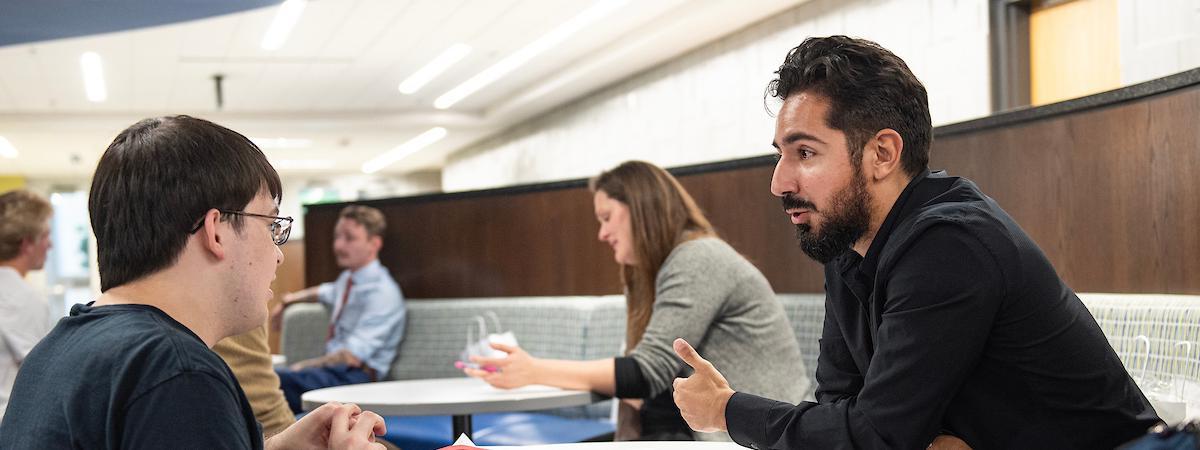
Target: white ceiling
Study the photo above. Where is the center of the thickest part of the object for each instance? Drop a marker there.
(334, 82)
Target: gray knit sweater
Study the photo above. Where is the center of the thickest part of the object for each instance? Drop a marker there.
(715, 299)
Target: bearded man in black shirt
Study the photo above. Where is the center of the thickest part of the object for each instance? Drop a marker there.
(945, 324)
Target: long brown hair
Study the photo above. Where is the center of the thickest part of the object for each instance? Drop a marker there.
(662, 215)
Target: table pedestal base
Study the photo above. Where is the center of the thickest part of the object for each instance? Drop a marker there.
(460, 425)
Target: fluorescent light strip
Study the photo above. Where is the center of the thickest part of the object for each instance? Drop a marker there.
(93, 77)
(402, 151)
(434, 68)
(6, 149)
(285, 19)
(506, 65)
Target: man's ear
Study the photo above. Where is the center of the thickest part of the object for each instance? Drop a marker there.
(210, 237)
(376, 243)
(27, 245)
(882, 154)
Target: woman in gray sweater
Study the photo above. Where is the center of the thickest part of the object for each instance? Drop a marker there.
(681, 281)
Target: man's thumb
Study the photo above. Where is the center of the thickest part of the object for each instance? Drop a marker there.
(688, 354)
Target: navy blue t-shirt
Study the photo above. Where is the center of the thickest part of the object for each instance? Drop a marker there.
(126, 377)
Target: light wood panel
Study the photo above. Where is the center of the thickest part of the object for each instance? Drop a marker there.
(289, 277)
(1073, 50)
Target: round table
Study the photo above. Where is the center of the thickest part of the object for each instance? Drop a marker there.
(456, 397)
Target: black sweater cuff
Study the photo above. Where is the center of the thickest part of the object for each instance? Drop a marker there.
(631, 383)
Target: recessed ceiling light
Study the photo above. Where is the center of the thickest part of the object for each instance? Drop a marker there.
(285, 19)
(6, 149)
(402, 151)
(434, 68)
(93, 76)
(594, 13)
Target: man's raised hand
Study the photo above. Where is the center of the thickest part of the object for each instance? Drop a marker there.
(702, 397)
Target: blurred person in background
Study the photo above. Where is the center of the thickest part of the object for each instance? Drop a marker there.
(24, 314)
(366, 311)
(681, 280)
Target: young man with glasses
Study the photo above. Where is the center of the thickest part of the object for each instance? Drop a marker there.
(184, 213)
(366, 306)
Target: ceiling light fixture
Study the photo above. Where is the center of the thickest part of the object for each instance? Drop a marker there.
(402, 151)
(6, 149)
(93, 77)
(285, 19)
(556, 36)
(434, 68)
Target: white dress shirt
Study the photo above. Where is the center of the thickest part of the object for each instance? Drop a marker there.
(24, 320)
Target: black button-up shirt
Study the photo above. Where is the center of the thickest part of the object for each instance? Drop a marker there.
(954, 322)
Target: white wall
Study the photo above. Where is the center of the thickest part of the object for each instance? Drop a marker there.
(708, 105)
(1158, 38)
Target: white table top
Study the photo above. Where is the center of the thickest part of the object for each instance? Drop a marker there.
(446, 396)
(630, 445)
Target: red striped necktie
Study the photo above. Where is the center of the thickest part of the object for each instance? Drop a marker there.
(345, 297)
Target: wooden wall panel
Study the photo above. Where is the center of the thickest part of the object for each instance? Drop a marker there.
(536, 243)
(543, 242)
(289, 277)
(740, 205)
(1107, 186)
(1110, 194)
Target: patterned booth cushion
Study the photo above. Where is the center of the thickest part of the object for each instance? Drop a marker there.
(436, 332)
(1157, 336)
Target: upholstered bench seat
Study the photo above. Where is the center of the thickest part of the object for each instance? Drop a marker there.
(1157, 337)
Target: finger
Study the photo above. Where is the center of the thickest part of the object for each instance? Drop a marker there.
(380, 427)
(688, 354)
(476, 373)
(341, 419)
(323, 412)
(483, 361)
(505, 347)
(366, 425)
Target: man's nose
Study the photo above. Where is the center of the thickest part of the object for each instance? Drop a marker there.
(783, 182)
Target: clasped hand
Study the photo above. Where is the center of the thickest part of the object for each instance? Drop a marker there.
(332, 426)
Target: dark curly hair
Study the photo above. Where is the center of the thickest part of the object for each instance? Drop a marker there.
(869, 89)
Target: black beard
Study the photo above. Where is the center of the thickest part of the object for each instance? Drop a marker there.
(848, 219)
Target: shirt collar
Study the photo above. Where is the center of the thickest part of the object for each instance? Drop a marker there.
(900, 209)
(365, 272)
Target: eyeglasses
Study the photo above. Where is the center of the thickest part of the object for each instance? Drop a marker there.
(281, 227)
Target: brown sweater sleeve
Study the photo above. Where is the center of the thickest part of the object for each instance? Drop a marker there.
(250, 358)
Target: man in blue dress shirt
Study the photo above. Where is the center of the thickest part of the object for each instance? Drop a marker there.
(367, 312)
